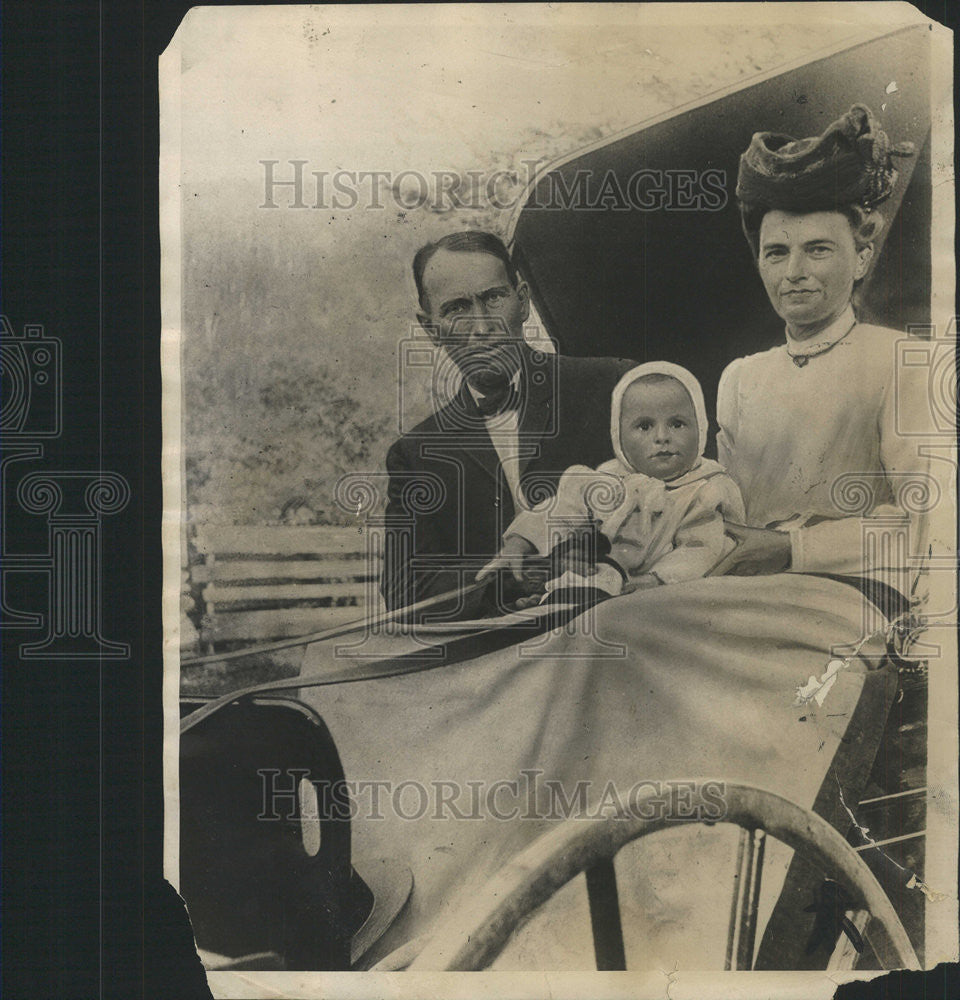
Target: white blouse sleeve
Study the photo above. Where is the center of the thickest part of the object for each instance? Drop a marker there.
(727, 413)
(837, 546)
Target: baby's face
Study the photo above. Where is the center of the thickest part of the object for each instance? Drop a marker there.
(658, 429)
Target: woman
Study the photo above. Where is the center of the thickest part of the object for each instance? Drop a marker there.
(808, 429)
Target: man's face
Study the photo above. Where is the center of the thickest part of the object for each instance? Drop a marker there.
(658, 429)
(808, 264)
(475, 314)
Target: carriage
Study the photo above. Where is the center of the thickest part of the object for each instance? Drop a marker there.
(278, 884)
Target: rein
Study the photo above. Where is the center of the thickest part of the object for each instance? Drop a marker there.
(358, 624)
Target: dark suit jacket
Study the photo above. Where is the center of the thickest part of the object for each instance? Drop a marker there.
(449, 501)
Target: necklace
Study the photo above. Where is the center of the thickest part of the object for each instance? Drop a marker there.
(800, 358)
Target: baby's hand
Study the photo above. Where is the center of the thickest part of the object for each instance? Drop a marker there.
(511, 556)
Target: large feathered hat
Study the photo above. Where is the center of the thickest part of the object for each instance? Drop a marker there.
(851, 163)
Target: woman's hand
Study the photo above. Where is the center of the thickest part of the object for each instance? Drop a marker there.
(759, 551)
(644, 582)
(511, 556)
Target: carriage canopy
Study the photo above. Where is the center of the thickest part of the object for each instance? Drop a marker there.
(632, 246)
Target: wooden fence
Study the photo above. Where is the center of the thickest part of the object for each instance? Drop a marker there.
(254, 584)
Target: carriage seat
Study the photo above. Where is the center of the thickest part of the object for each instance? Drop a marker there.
(265, 858)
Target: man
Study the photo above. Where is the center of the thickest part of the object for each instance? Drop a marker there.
(517, 421)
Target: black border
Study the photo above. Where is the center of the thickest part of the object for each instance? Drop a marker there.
(86, 913)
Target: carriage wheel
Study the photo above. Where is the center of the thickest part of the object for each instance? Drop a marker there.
(473, 936)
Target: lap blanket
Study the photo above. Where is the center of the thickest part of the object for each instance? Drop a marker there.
(456, 769)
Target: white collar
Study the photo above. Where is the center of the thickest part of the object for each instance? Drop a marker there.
(833, 334)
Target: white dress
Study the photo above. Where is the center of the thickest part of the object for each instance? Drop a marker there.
(816, 445)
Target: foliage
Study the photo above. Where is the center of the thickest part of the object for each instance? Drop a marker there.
(283, 451)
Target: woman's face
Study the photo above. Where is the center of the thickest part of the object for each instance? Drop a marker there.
(808, 264)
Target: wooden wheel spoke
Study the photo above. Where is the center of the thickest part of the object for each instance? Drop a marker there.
(605, 917)
(756, 842)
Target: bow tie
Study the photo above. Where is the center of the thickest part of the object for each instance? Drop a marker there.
(498, 400)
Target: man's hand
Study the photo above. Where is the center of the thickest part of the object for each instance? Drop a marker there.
(576, 561)
(578, 553)
(511, 556)
(759, 551)
(530, 601)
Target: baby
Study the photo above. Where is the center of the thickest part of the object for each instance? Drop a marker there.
(660, 504)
